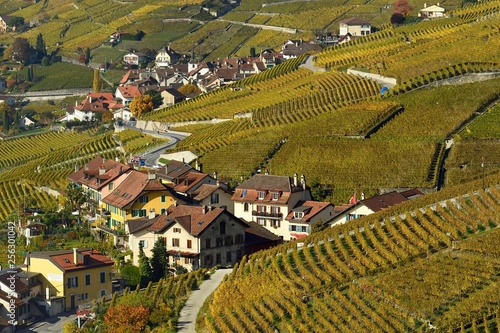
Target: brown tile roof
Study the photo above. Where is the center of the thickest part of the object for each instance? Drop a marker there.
(300, 48)
(95, 102)
(174, 169)
(139, 224)
(6, 298)
(248, 190)
(64, 259)
(310, 209)
(89, 174)
(194, 219)
(260, 231)
(384, 201)
(19, 286)
(354, 21)
(188, 181)
(205, 190)
(131, 188)
(129, 91)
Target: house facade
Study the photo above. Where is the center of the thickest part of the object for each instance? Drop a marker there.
(355, 26)
(71, 278)
(134, 58)
(198, 237)
(305, 214)
(434, 11)
(214, 195)
(166, 57)
(268, 199)
(93, 104)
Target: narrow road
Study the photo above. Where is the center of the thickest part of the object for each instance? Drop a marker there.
(187, 317)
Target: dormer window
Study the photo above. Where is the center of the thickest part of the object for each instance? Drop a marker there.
(261, 195)
(276, 196)
(298, 215)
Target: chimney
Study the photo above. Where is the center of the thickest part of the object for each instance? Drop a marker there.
(76, 103)
(86, 167)
(75, 256)
(47, 293)
(425, 5)
(362, 195)
(152, 214)
(303, 182)
(151, 175)
(295, 180)
(437, 4)
(76, 167)
(204, 209)
(103, 160)
(117, 159)
(102, 170)
(215, 174)
(266, 172)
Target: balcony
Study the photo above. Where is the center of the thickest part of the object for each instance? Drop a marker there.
(266, 214)
(108, 230)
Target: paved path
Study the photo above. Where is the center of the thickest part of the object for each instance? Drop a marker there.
(49, 325)
(187, 317)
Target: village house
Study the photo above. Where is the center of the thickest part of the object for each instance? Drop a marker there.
(434, 11)
(196, 237)
(268, 199)
(166, 57)
(70, 278)
(134, 58)
(171, 96)
(4, 21)
(213, 195)
(127, 93)
(363, 207)
(354, 26)
(26, 121)
(122, 113)
(305, 214)
(294, 48)
(91, 106)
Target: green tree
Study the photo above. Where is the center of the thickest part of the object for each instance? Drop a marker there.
(87, 55)
(131, 274)
(159, 263)
(29, 74)
(97, 81)
(141, 104)
(4, 108)
(76, 196)
(16, 22)
(40, 46)
(156, 96)
(145, 271)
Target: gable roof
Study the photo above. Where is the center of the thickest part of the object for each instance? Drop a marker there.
(433, 8)
(249, 189)
(98, 172)
(96, 102)
(129, 91)
(188, 181)
(309, 208)
(139, 224)
(205, 190)
(64, 259)
(125, 194)
(384, 201)
(174, 169)
(354, 21)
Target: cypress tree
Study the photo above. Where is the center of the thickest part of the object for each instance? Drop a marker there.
(159, 262)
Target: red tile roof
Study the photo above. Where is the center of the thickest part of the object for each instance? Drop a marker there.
(89, 174)
(129, 91)
(205, 190)
(64, 259)
(354, 21)
(248, 190)
(96, 102)
(310, 209)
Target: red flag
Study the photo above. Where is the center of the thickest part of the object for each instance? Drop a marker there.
(352, 201)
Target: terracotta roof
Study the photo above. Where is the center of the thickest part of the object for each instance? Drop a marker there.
(19, 286)
(205, 190)
(260, 231)
(188, 181)
(300, 48)
(90, 175)
(412, 193)
(174, 169)
(139, 224)
(249, 189)
(129, 91)
(6, 298)
(64, 259)
(96, 102)
(354, 21)
(125, 194)
(310, 209)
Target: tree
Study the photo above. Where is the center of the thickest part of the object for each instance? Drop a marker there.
(402, 7)
(76, 196)
(107, 116)
(16, 22)
(131, 275)
(97, 81)
(40, 46)
(159, 263)
(29, 73)
(145, 271)
(156, 96)
(87, 55)
(21, 50)
(189, 89)
(141, 104)
(397, 18)
(5, 109)
(46, 117)
(124, 318)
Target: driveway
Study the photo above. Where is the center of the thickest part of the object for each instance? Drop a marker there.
(187, 317)
(49, 325)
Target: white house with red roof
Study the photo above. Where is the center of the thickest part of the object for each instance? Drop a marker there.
(127, 93)
(430, 12)
(305, 214)
(268, 199)
(93, 104)
(354, 26)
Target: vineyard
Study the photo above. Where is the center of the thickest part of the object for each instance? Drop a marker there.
(405, 269)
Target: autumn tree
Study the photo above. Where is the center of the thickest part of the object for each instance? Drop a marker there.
(107, 116)
(76, 196)
(402, 7)
(189, 89)
(159, 263)
(21, 50)
(124, 318)
(141, 104)
(156, 96)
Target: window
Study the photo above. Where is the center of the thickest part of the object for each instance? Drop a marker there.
(175, 242)
(293, 228)
(87, 279)
(189, 244)
(298, 215)
(143, 199)
(135, 212)
(142, 213)
(275, 223)
(218, 241)
(222, 227)
(102, 277)
(276, 196)
(261, 221)
(275, 210)
(228, 257)
(244, 193)
(73, 282)
(261, 195)
(188, 260)
(163, 198)
(177, 230)
(207, 243)
(228, 240)
(110, 186)
(245, 207)
(163, 210)
(214, 198)
(208, 260)
(103, 292)
(218, 258)
(261, 209)
(143, 243)
(238, 239)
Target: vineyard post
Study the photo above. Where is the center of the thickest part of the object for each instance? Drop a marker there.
(482, 167)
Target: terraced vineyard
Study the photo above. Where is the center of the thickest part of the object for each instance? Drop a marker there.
(405, 269)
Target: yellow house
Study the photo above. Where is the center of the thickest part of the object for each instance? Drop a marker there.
(139, 195)
(71, 278)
